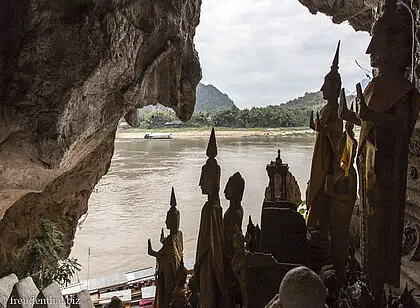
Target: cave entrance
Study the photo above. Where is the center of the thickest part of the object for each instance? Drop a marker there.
(259, 54)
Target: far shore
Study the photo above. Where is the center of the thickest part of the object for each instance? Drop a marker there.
(220, 132)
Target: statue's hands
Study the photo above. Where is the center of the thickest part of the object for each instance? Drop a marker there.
(149, 246)
(342, 106)
(318, 125)
(364, 111)
(311, 121)
(162, 236)
(329, 184)
(150, 250)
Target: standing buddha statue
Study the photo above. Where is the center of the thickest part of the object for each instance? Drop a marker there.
(208, 268)
(325, 162)
(387, 119)
(232, 220)
(168, 258)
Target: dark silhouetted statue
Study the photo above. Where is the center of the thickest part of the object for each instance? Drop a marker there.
(208, 268)
(325, 162)
(232, 220)
(168, 258)
(388, 111)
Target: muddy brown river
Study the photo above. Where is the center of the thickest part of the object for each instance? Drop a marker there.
(130, 202)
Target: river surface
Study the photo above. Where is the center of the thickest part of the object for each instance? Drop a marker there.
(130, 202)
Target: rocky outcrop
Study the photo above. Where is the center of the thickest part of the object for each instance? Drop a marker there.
(69, 70)
(356, 12)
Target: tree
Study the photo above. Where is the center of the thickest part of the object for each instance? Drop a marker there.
(44, 262)
(157, 119)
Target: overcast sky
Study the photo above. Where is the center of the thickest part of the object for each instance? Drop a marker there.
(260, 52)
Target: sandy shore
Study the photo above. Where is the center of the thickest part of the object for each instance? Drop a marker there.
(287, 132)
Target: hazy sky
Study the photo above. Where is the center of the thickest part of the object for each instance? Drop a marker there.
(260, 52)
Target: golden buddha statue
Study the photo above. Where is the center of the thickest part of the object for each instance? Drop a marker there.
(325, 162)
(388, 112)
(168, 258)
(325, 156)
(208, 268)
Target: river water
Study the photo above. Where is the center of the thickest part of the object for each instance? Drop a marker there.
(130, 202)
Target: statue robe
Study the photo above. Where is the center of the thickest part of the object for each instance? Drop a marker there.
(344, 197)
(231, 220)
(168, 260)
(325, 160)
(382, 164)
(209, 256)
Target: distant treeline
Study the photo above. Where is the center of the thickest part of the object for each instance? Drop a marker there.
(271, 116)
(294, 113)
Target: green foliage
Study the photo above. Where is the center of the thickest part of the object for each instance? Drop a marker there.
(199, 119)
(156, 119)
(44, 263)
(303, 210)
(63, 272)
(294, 113)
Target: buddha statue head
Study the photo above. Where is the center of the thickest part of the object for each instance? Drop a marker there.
(210, 172)
(235, 186)
(391, 42)
(332, 81)
(173, 216)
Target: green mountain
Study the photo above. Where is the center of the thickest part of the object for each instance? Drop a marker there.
(210, 99)
(309, 99)
(312, 100)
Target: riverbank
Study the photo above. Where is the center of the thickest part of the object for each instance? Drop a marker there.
(203, 132)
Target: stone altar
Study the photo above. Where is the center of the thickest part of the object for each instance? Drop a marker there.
(283, 229)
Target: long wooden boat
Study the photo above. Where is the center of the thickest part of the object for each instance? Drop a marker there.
(157, 136)
(135, 289)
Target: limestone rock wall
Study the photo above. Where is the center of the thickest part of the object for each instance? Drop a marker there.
(68, 71)
(356, 12)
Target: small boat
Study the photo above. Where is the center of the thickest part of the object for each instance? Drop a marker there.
(136, 289)
(157, 136)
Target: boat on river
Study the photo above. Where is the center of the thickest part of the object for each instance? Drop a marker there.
(135, 289)
(157, 136)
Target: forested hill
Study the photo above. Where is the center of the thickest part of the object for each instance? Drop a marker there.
(312, 100)
(216, 109)
(309, 100)
(210, 99)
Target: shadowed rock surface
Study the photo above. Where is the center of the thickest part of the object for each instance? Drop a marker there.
(355, 12)
(68, 71)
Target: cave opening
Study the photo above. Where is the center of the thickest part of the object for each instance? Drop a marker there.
(70, 72)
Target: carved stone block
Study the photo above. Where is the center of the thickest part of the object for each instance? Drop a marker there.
(50, 297)
(6, 287)
(23, 294)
